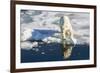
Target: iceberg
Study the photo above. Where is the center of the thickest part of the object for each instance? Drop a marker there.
(38, 34)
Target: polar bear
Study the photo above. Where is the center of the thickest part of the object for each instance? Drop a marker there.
(68, 37)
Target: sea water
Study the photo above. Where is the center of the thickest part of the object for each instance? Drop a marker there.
(53, 52)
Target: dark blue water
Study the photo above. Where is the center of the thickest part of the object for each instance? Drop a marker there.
(53, 52)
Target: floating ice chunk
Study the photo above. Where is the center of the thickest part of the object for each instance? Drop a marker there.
(42, 52)
(52, 40)
(26, 34)
(74, 40)
(28, 45)
(35, 44)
